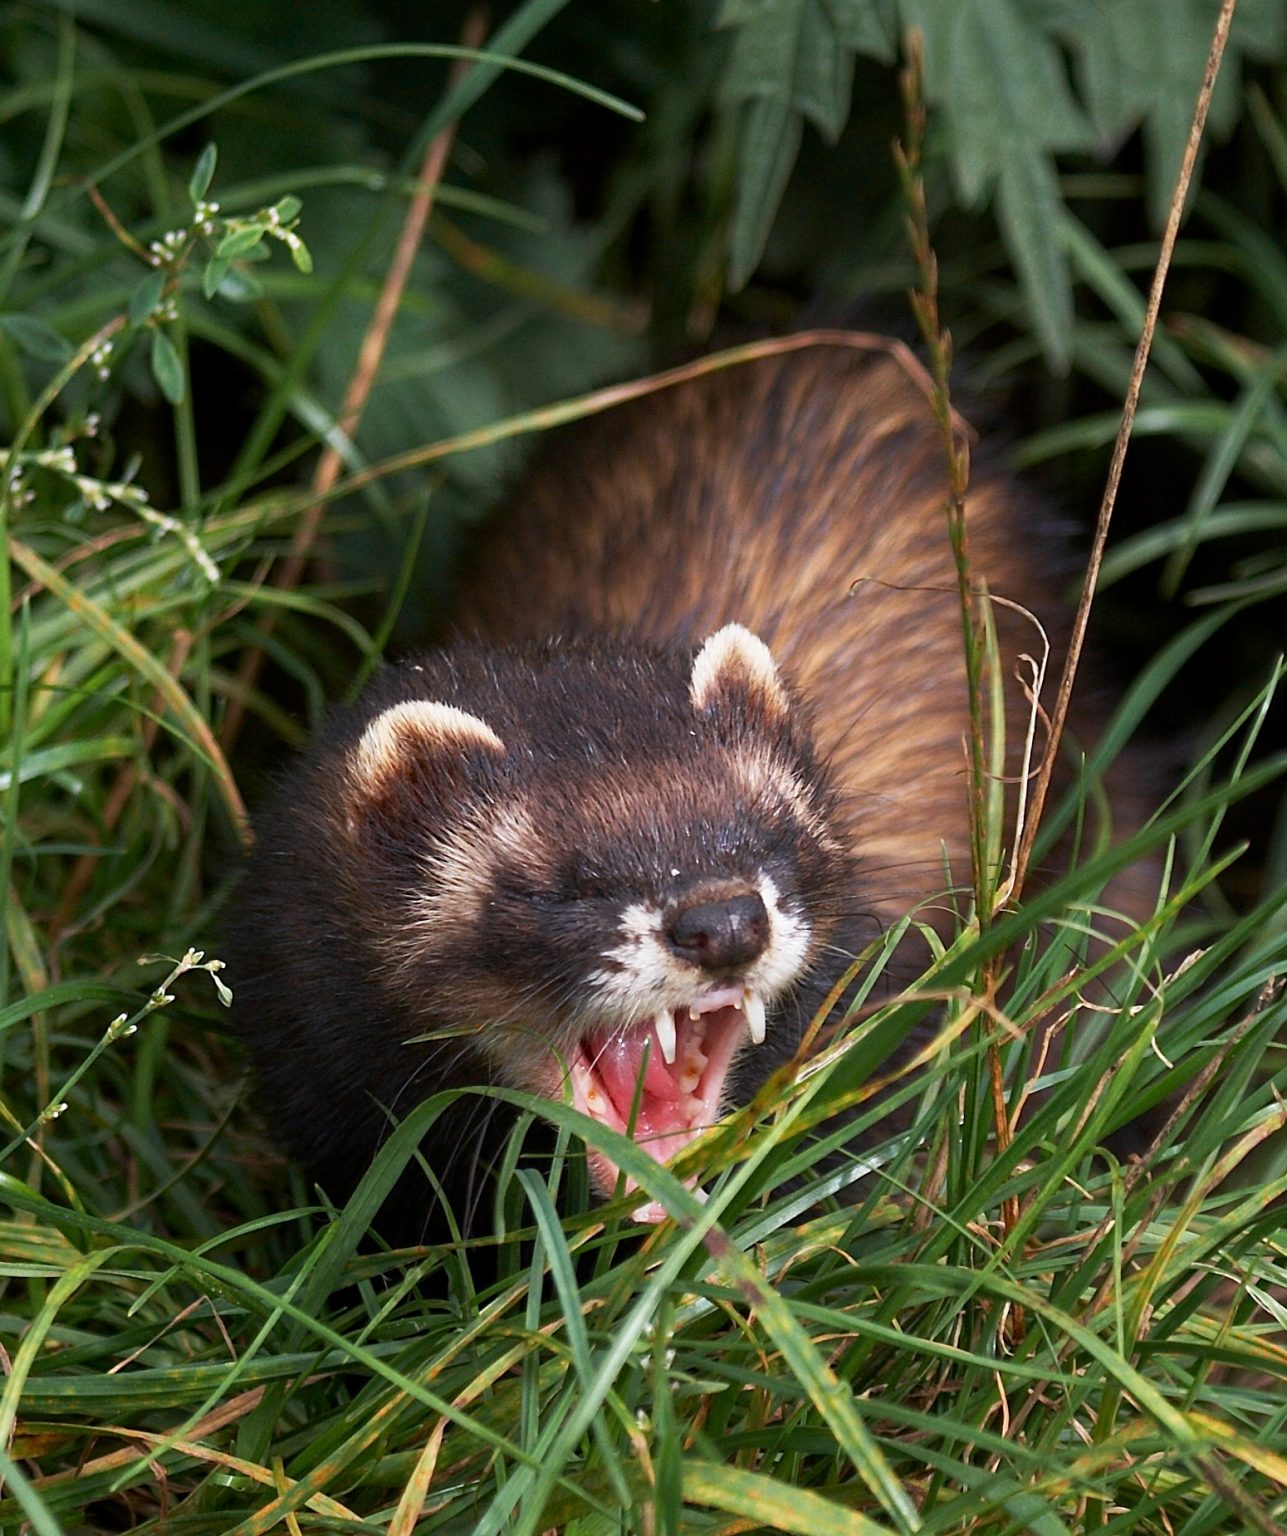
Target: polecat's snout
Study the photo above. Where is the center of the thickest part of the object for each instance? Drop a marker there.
(718, 930)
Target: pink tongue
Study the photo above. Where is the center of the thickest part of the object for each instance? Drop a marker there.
(617, 1061)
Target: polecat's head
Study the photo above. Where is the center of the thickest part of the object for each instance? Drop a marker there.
(605, 865)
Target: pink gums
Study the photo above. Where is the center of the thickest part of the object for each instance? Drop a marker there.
(622, 1079)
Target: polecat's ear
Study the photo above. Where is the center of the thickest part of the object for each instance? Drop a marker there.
(736, 667)
(416, 729)
(414, 748)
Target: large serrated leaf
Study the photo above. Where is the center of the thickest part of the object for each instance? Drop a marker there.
(789, 50)
(1008, 104)
(1006, 93)
(1109, 78)
(867, 26)
(788, 62)
(1260, 28)
(824, 70)
(1176, 37)
(770, 141)
(1031, 216)
(1143, 62)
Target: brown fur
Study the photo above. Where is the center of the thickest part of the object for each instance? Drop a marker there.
(479, 870)
(802, 496)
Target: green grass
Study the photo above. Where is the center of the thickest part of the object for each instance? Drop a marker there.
(885, 1317)
(908, 1360)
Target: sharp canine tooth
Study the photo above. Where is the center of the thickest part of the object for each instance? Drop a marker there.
(664, 1024)
(753, 1006)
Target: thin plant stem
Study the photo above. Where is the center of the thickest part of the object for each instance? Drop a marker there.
(974, 622)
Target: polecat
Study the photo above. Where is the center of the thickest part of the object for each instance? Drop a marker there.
(701, 737)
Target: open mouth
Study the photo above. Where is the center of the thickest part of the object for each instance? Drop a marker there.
(662, 1082)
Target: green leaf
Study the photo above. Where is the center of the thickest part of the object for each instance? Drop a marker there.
(1260, 28)
(37, 1516)
(203, 173)
(789, 51)
(146, 296)
(770, 1502)
(1003, 87)
(791, 59)
(1246, 416)
(36, 339)
(217, 268)
(167, 370)
(770, 142)
(188, 723)
(1113, 88)
(1175, 60)
(239, 241)
(40, 762)
(1143, 63)
(1031, 217)
(867, 26)
(1004, 91)
(240, 287)
(287, 208)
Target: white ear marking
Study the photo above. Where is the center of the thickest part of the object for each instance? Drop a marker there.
(733, 657)
(419, 723)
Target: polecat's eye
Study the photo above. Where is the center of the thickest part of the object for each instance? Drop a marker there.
(585, 879)
(527, 894)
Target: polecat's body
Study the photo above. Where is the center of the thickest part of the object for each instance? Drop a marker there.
(572, 859)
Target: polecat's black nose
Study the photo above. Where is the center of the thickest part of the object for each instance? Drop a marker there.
(718, 934)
